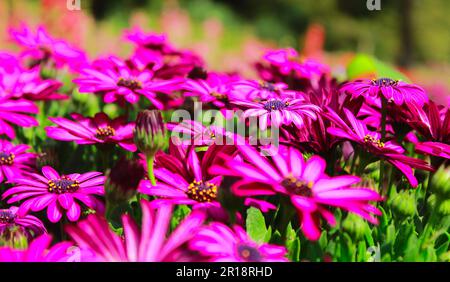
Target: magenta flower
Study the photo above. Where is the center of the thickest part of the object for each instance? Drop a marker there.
(434, 149)
(39, 250)
(220, 243)
(27, 84)
(58, 193)
(305, 183)
(41, 48)
(16, 112)
(29, 225)
(289, 62)
(151, 41)
(15, 161)
(147, 244)
(393, 90)
(97, 130)
(183, 180)
(254, 90)
(119, 82)
(277, 112)
(371, 141)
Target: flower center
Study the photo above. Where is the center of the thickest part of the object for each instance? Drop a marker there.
(374, 141)
(132, 84)
(249, 253)
(297, 187)
(219, 96)
(384, 82)
(202, 192)
(264, 85)
(104, 132)
(6, 158)
(6, 216)
(275, 105)
(63, 185)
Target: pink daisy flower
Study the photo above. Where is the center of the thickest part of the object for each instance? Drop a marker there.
(29, 225)
(304, 182)
(220, 243)
(148, 243)
(278, 112)
(39, 250)
(393, 90)
(16, 112)
(15, 161)
(58, 193)
(255, 90)
(99, 129)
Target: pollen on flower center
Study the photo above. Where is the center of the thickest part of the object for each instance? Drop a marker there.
(202, 192)
(104, 132)
(63, 185)
(249, 253)
(264, 85)
(372, 140)
(297, 187)
(6, 158)
(219, 96)
(132, 84)
(6, 216)
(275, 105)
(384, 82)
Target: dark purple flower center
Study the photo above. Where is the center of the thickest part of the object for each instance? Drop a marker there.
(249, 253)
(297, 187)
(384, 82)
(202, 192)
(6, 158)
(132, 84)
(369, 139)
(275, 105)
(63, 185)
(264, 85)
(6, 216)
(104, 132)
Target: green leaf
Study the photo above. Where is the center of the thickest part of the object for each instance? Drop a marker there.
(256, 225)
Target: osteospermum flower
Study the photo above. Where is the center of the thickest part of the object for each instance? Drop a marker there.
(220, 243)
(254, 90)
(41, 48)
(28, 225)
(99, 129)
(16, 112)
(277, 112)
(393, 90)
(119, 82)
(147, 244)
(304, 182)
(14, 160)
(39, 250)
(58, 193)
(356, 131)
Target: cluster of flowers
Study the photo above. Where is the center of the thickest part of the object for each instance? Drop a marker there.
(324, 127)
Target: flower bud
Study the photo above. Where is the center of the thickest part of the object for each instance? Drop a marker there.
(404, 203)
(150, 132)
(440, 182)
(123, 180)
(354, 226)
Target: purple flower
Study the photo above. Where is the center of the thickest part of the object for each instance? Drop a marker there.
(147, 244)
(356, 131)
(41, 48)
(393, 90)
(15, 112)
(277, 112)
(29, 225)
(39, 250)
(58, 193)
(97, 130)
(305, 183)
(120, 82)
(220, 243)
(15, 161)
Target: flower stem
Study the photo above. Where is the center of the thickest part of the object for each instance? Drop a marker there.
(383, 138)
(151, 175)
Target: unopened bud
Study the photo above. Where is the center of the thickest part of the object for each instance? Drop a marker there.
(404, 203)
(150, 132)
(123, 180)
(354, 226)
(440, 182)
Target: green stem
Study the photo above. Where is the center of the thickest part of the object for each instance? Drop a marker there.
(151, 175)
(383, 138)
